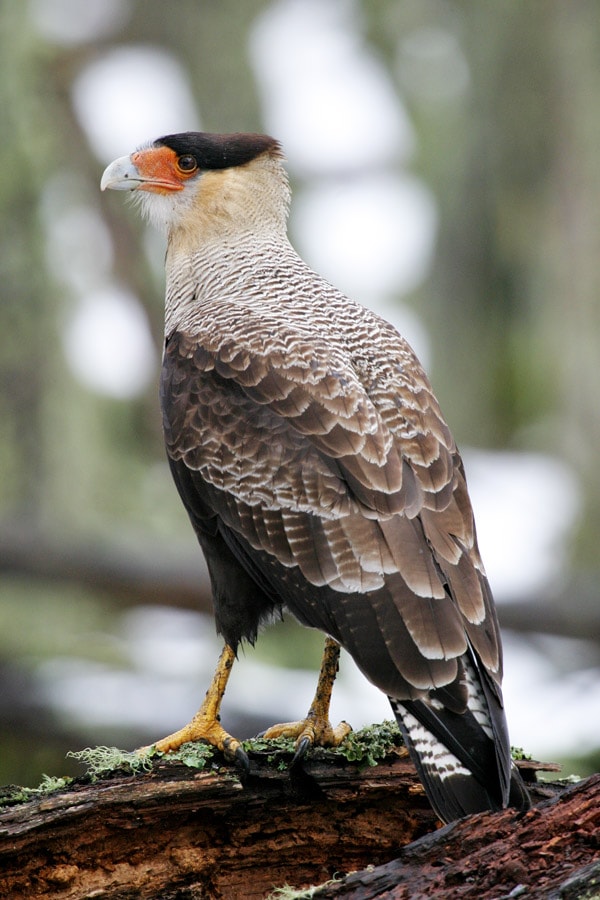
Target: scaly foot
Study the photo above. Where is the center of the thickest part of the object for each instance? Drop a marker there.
(310, 732)
(205, 726)
(316, 730)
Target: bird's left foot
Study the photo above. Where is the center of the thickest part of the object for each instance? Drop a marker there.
(205, 726)
(208, 730)
(316, 730)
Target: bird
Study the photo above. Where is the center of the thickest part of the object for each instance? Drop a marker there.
(318, 472)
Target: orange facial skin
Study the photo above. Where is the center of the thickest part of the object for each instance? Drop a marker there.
(161, 170)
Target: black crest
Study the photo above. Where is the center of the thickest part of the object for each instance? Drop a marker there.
(220, 151)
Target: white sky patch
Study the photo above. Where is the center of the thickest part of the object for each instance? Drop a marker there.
(78, 243)
(331, 102)
(174, 643)
(326, 96)
(69, 22)
(108, 344)
(371, 235)
(550, 711)
(131, 95)
(106, 338)
(128, 96)
(96, 695)
(525, 506)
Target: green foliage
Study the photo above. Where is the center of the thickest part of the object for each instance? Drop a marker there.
(288, 644)
(40, 621)
(518, 753)
(585, 764)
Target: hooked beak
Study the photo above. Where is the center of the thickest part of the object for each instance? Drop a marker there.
(151, 169)
(121, 175)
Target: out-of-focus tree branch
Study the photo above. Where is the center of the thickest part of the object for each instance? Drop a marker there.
(163, 575)
(138, 574)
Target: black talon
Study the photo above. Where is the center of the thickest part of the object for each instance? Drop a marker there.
(304, 745)
(241, 759)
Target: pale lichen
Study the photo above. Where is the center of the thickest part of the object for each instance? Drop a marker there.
(102, 760)
(287, 892)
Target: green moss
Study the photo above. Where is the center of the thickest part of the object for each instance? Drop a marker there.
(275, 749)
(194, 754)
(49, 784)
(12, 795)
(100, 761)
(371, 744)
(366, 747)
(518, 753)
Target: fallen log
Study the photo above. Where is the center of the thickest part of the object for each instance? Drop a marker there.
(179, 832)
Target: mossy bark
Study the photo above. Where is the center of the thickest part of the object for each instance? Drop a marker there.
(175, 832)
(179, 832)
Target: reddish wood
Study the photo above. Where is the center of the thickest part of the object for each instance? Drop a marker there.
(551, 852)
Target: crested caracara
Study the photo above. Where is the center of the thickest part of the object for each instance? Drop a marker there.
(318, 472)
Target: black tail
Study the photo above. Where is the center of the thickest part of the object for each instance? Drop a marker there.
(463, 758)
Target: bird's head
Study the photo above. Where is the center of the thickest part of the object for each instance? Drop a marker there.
(214, 183)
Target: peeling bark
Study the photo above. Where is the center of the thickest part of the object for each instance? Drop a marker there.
(552, 851)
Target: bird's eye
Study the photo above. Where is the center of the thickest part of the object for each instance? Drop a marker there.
(186, 164)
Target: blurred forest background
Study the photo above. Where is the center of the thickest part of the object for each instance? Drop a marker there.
(444, 157)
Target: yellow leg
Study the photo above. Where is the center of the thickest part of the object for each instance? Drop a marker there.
(205, 726)
(316, 729)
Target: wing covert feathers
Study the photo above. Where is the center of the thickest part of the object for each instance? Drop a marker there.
(303, 433)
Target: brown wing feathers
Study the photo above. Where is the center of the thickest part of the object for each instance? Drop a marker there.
(285, 491)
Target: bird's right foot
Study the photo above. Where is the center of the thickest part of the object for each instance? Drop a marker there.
(316, 730)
